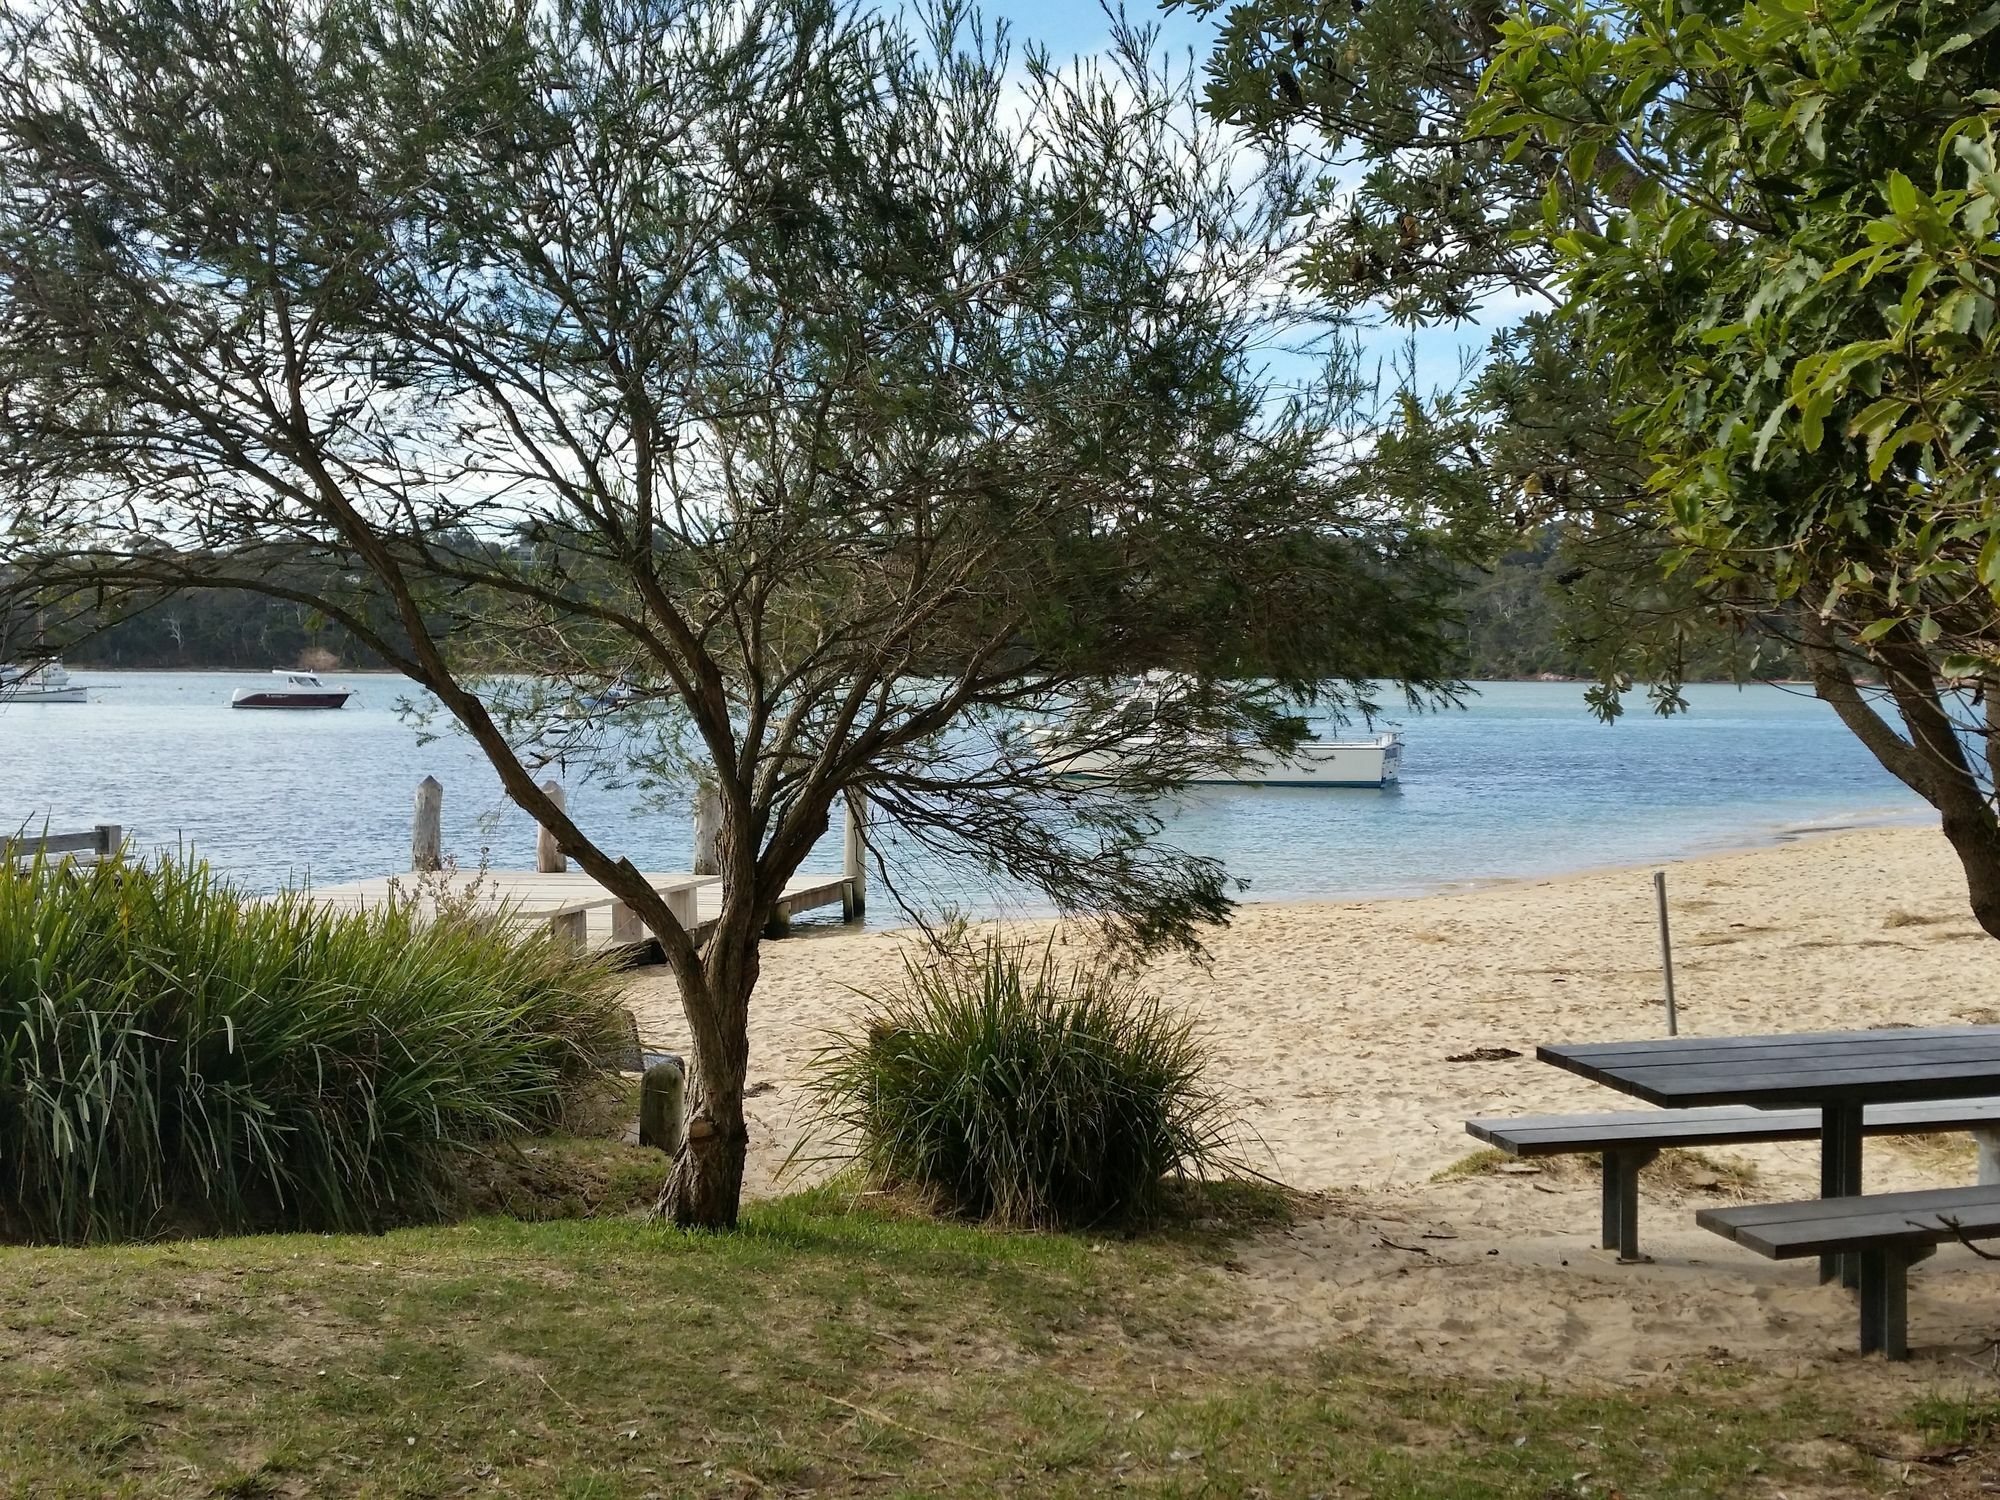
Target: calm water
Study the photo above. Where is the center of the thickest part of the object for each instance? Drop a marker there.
(1521, 782)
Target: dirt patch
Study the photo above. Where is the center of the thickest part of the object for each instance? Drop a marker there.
(1500, 1277)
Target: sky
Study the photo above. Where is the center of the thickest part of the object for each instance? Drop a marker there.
(1074, 27)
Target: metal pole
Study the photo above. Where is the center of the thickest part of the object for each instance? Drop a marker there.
(1666, 950)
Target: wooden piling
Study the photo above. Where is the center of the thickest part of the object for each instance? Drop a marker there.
(707, 830)
(549, 858)
(427, 830)
(854, 897)
(571, 927)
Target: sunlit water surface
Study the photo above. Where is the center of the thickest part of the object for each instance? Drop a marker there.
(1520, 782)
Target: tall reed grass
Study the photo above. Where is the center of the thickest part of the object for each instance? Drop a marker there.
(1008, 1084)
(175, 1056)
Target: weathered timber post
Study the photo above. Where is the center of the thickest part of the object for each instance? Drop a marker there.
(1987, 1140)
(707, 830)
(854, 894)
(427, 830)
(110, 839)
(549, 858)
(573, 927)
(662, 1103)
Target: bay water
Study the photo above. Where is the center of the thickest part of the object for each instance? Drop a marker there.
(1520, 782)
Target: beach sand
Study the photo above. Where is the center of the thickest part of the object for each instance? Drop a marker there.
(1334, 1024)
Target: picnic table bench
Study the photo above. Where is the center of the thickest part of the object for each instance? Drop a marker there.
(1837, 1073)
(1886, 1233)
(1853, 1084)
(1629, 1140)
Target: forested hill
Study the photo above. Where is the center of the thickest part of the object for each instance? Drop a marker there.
(1512, 629)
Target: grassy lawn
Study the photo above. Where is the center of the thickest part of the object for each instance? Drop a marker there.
(827, 1348)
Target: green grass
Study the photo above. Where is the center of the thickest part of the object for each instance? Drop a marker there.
(830, 1347)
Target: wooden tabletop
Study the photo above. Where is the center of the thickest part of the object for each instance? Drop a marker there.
(1828, 1067)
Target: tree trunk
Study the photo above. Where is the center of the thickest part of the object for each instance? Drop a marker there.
(1931, 761)
(1976, 839)
(706, 1184)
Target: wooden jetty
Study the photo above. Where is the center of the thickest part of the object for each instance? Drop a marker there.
(101, 842)
(573, 904)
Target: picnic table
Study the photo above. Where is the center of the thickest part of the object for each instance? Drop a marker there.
(1839, 1073)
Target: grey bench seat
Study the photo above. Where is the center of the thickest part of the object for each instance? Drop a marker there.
(1628, 1139)
(1888, 1231)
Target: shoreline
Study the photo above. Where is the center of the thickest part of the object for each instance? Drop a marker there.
(1777, 836)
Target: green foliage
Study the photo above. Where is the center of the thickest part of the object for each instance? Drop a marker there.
(1013, 1085)
(1419, 221)
(1783, 247)
(174, 1055)
(1796, 288)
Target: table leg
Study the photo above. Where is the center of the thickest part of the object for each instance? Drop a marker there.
(1621, 1201)
(1840, 1177)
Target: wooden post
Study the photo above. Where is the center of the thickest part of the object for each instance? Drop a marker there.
(427, 832)
(707, 830)
(854, 896)
(1987, 1139)
(549, 858)
(572, 928)
(1666, 950)
(662, 1096)
(110, 839)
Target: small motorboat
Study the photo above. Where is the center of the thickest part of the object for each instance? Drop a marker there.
(47, 683)
(1374, 762)
(299, 690)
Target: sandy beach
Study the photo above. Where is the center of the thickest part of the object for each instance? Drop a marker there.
(1336, 1024)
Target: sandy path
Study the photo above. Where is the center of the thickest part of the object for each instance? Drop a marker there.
(1335, 1022)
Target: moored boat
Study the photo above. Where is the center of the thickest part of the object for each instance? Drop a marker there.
(47, 683)
(1373, 762)
(299, 690)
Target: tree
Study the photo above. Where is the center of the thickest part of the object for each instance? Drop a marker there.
(852, 405)
(1794, 288)
(1420, 221)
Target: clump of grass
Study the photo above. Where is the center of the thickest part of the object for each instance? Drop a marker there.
(1005, 1083)
(177, 1056)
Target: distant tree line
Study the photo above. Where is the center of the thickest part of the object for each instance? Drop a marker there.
(221, 629)
(1515, 623)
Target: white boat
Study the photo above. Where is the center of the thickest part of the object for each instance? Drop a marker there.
(299, 690)
(47, 683)
(1373, 762)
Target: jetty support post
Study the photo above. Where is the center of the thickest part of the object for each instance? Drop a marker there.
(427, 830)
(707, 830)
(854, 862)
(1666, 950)
(571, 927)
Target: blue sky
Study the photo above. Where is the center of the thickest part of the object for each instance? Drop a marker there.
(1071, 27)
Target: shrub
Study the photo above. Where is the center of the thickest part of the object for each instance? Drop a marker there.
(177, 1056)
(1010, 1085)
